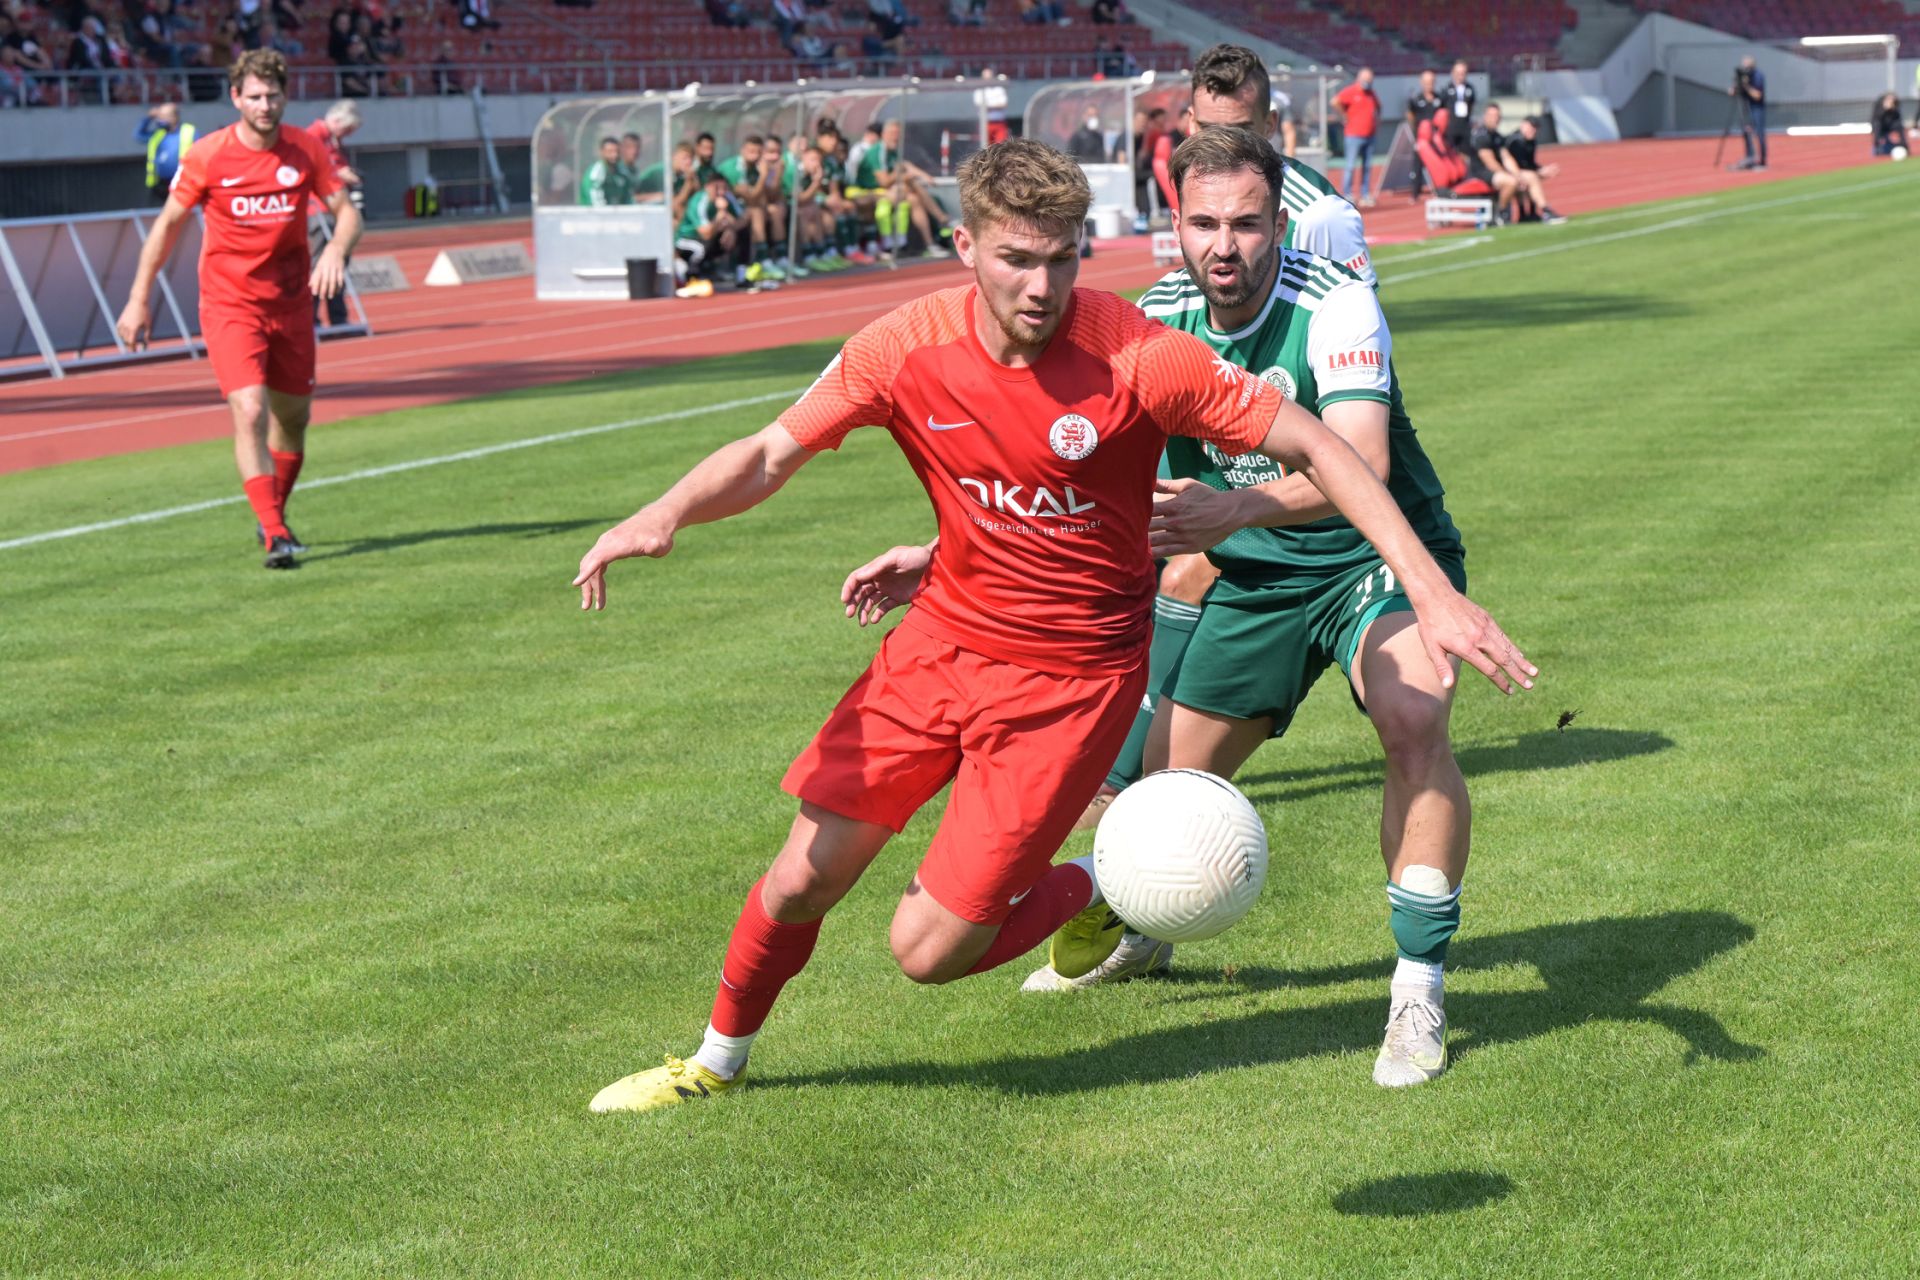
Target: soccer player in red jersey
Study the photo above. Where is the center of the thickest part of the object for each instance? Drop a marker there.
(256, 280)
(1034, 413)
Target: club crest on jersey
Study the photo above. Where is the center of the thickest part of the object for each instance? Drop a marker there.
(1280, 378)
(261, 206)
(1073, 437)
(286, 175)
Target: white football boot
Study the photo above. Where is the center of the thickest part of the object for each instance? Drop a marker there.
(1135, 957)
(1415, 1050)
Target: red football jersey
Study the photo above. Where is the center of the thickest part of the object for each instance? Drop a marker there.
(255, 250)
(1041, 477)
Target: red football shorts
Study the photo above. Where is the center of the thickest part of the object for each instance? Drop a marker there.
(1025, 751)
(253, 348)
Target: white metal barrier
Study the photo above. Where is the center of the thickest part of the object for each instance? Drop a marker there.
(64, 280)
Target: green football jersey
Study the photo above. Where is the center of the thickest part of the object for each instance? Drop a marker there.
(836, 171)
(701, 210)
(1321, 339)
(606, 184)
(651, 181)
(873, 161)
(737, 171)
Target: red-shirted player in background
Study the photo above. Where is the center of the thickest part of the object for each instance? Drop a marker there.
(256, 280)
(1034, 413)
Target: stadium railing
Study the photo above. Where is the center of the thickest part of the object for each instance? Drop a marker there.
(140, 86)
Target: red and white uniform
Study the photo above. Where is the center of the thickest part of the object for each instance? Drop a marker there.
(256, 313)
(1021, 663)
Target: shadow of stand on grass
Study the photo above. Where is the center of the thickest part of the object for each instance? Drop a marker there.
(1591, 971)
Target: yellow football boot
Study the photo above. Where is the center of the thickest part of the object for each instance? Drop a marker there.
(662, 1086)
(1083, 943)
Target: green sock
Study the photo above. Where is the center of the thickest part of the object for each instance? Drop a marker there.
(1423, 914)
(1173, 624)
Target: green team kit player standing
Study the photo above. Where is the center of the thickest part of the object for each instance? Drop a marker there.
(1298, 588)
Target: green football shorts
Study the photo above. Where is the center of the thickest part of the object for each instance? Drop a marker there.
(1257, 649)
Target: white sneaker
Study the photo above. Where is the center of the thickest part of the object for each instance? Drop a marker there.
(1135, 957)
(1415, 1050)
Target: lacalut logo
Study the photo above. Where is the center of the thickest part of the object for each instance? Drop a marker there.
(1354, 360)
(1073, 437)
(998, 495)
(261, 206)
(1356, 263)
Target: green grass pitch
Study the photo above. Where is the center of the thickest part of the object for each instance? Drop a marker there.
(327, 899)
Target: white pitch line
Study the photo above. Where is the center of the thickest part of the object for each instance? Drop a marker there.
(168, 513)
(1452, 246)
(1672, 224)
(370, 473)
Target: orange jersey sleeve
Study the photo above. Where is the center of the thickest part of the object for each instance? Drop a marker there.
(856, 387)
(190, 179)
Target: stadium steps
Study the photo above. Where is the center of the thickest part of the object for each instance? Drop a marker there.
(1602, 25)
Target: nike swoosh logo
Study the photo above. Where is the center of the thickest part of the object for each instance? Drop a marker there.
(946, 426)
(228, 182)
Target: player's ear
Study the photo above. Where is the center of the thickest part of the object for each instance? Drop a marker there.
(963, 243)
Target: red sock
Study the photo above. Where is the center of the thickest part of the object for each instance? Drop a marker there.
(266, 506)
(762, 954)
(286, 469)
(1062, 894)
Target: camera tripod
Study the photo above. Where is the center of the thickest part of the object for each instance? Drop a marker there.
(1740, 108)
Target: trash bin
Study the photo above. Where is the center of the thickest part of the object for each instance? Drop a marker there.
(643, 278)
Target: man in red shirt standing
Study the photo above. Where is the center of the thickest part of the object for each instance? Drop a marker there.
(1034, 414)
(257, 279)
(1360, 117)
(331, 131)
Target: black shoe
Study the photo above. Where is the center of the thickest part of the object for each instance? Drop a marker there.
(299, 547)
(281, 553)
(1547, 215)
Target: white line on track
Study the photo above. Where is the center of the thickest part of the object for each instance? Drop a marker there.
(167, 513)
(370, 473)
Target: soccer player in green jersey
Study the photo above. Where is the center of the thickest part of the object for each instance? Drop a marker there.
(606, 182)
(752, 184)
(901, 193)
(1299, 590)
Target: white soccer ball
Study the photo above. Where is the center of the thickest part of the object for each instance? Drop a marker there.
(1898, 153)
(1180, 855)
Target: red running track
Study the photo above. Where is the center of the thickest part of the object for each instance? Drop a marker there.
(437, 345)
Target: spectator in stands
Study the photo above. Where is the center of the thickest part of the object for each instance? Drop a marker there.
(88, 52)
(1456, 99)
(1486, 162)
(605, 183)
(967, 13)
(1088, 144)
(1422, 104)
(1043, 11)
(1749, 89)
(1115, 62)
(160, 29)
(1524, 164)
(22, 54)
(886, 33)
(360, 72)
(1888, 132)
(290, 14)
(446, 79)
(711, 228)
(789, 20)
(727, 13)
(1359, 108)
(276, 38)
(331, 131)
(247, 19)
(165, 140)
(226, 46)
(339, 33)
(477, 15)
(1107, 12)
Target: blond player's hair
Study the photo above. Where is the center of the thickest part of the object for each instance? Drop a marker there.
(261, 64)
(1023, 181)
(345, 113)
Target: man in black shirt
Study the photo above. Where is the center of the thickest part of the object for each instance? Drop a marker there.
(1525, 165)
(1457, 98)
(1486, 160)
(1422, 103)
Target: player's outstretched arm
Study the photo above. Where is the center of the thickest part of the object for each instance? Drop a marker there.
(733, 478)
(1449, 622)
(890, 579)
(137, 316)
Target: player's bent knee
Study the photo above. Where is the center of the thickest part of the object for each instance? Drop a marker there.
(1412, 725)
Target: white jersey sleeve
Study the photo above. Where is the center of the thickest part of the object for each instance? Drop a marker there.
(1349, 348)
(1332, 228)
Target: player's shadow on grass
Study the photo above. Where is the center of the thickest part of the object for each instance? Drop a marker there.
(523, 529)
(1416, 1195)
(1543, 749)
(1604, 970)
(1524, 310)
